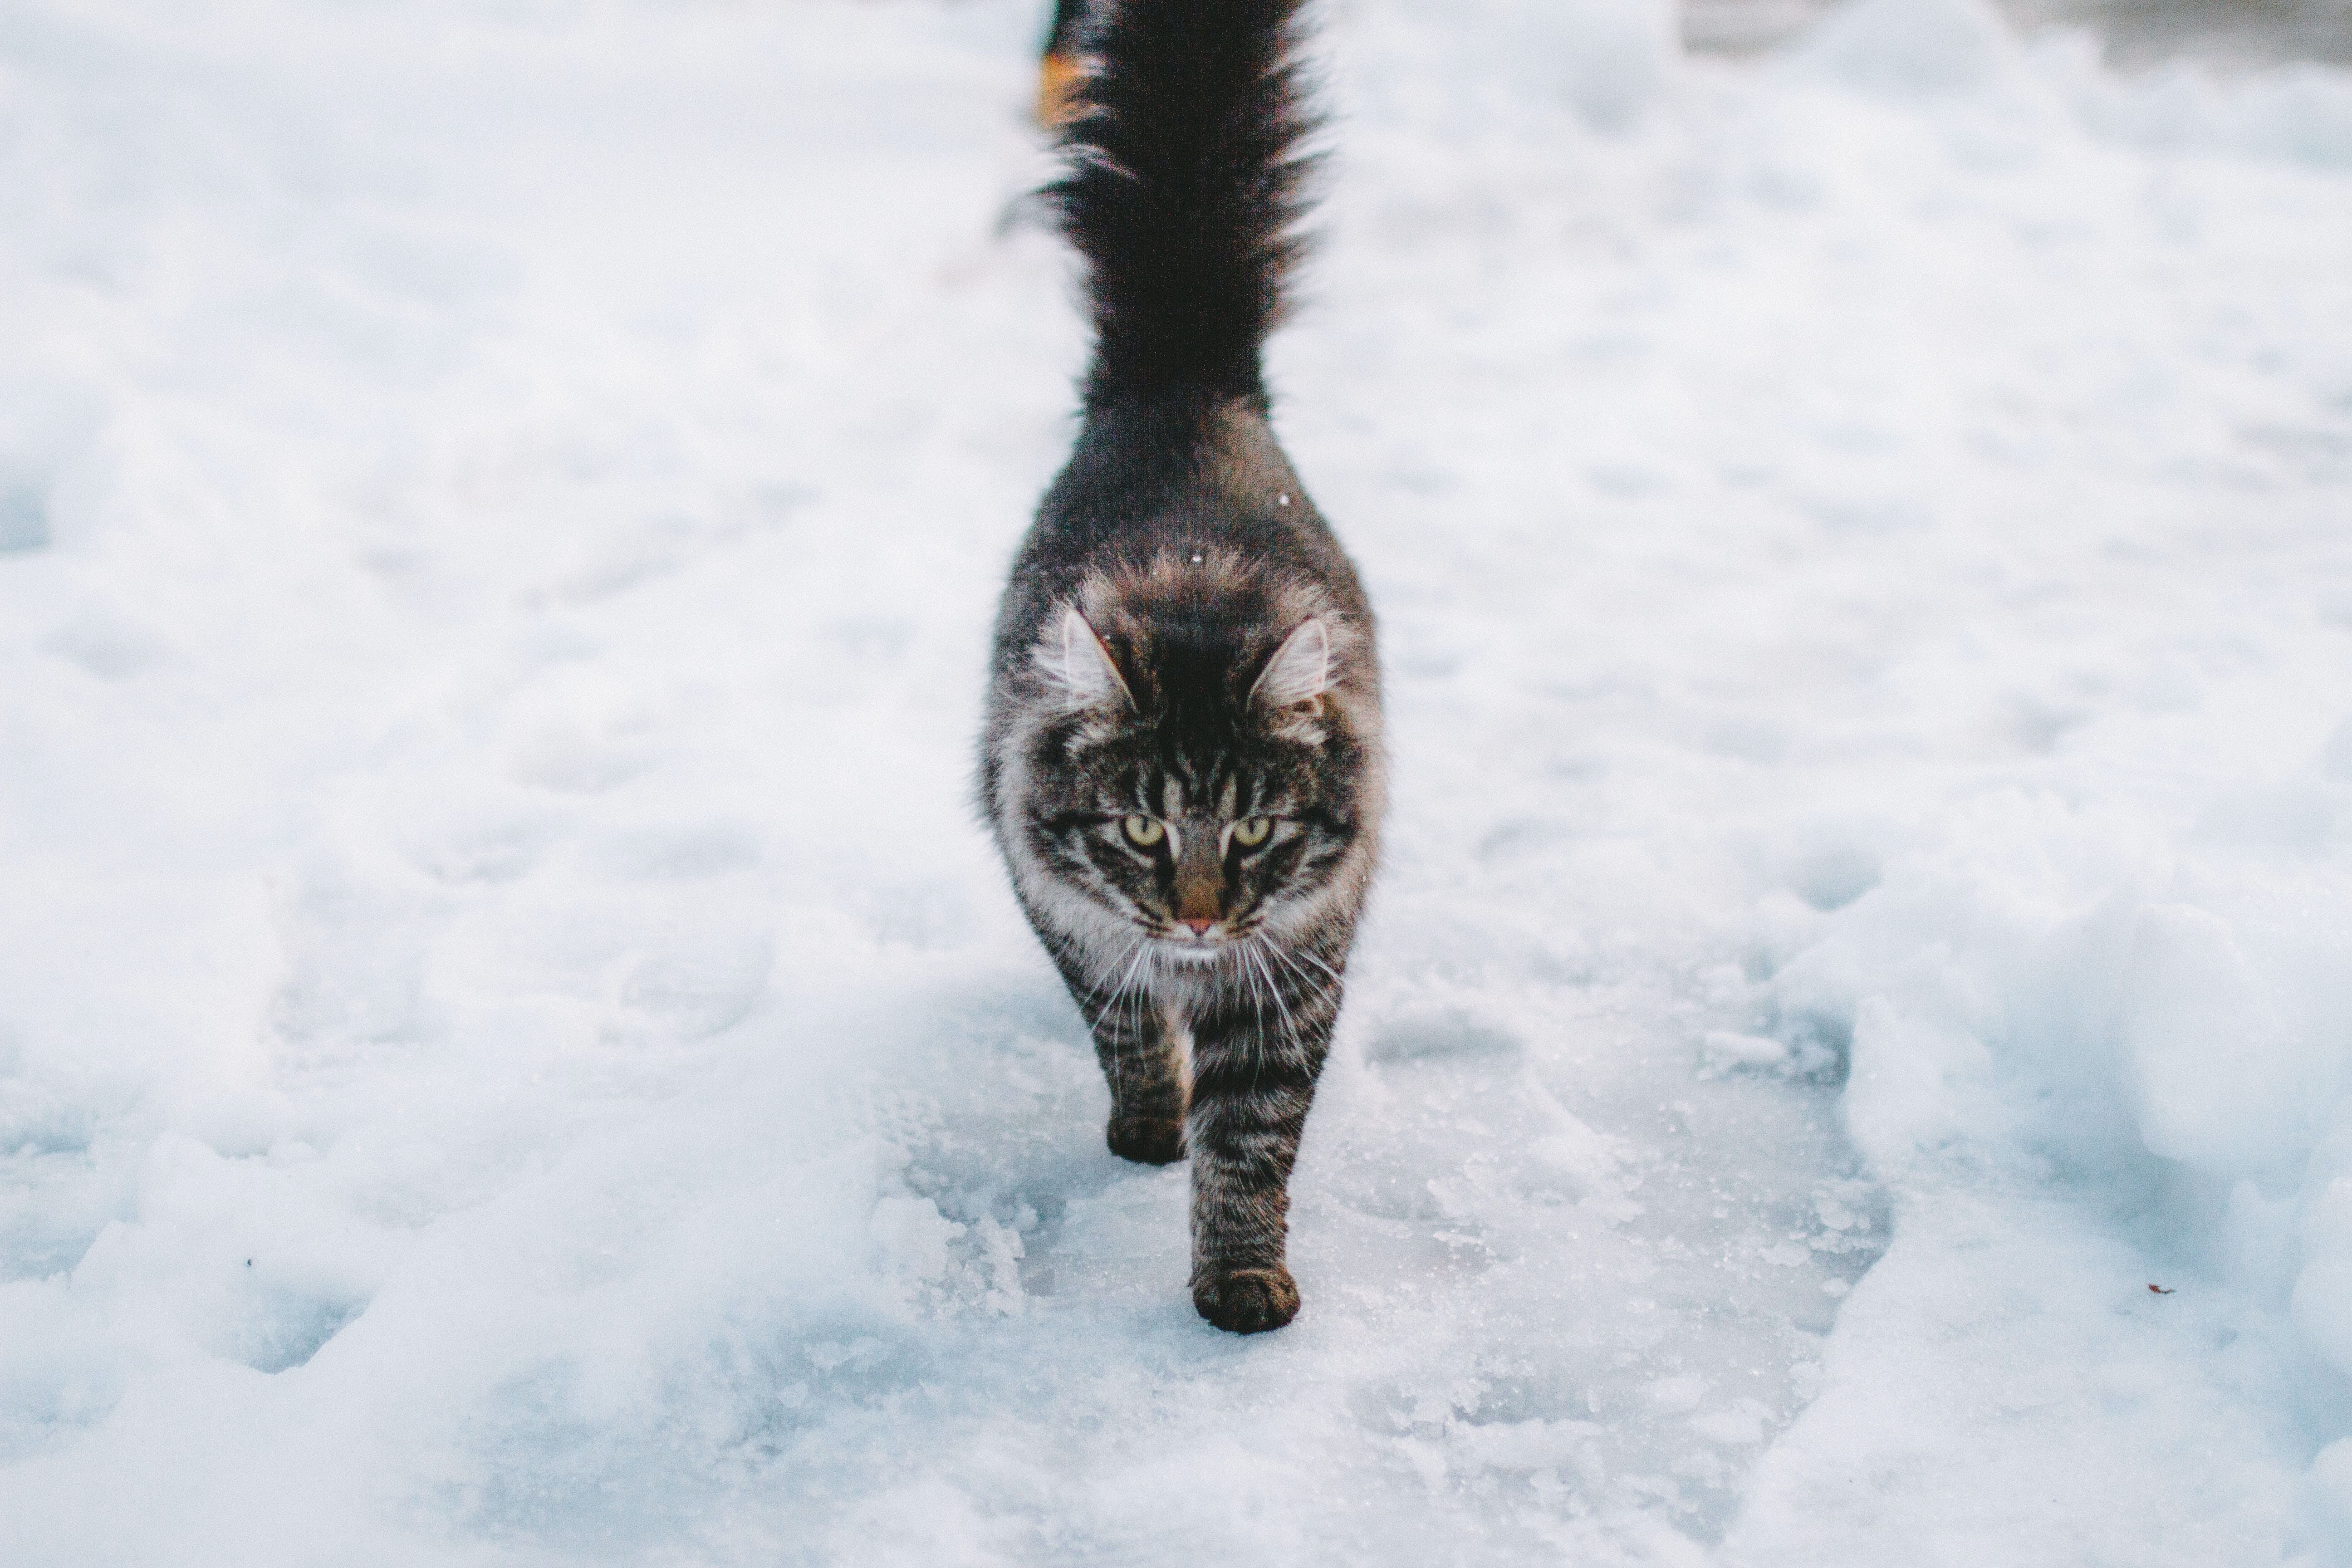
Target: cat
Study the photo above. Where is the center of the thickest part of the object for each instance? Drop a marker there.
(1182, 760)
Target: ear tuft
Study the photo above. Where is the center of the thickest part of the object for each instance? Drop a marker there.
(1299, 671)
(1075, 662)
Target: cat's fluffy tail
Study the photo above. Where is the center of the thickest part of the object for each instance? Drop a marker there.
(1184, 192)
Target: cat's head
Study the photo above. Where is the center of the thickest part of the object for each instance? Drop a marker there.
(1203, 771)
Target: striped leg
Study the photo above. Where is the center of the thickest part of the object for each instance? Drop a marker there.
(1140, 1060)
(1255, 1057)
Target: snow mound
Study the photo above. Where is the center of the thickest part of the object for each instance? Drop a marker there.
(1907, 49)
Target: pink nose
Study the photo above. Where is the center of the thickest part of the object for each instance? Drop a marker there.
(1198, 928)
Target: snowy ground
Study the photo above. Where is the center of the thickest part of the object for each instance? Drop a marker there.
(513, 1049)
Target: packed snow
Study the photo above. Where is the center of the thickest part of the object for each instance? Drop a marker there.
(514, 1049)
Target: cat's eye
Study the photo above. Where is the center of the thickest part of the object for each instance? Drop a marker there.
(1251, 831)
(1145, 831)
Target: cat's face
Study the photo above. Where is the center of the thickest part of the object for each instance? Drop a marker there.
(1194, 797)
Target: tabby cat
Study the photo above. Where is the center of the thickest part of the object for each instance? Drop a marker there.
(1182, 760)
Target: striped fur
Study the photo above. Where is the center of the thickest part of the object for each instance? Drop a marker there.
(1183, 761)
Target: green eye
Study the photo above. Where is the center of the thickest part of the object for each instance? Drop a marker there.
(1145, 831)
(1251, 831)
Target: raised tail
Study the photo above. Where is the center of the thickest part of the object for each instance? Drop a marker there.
(1184, 193)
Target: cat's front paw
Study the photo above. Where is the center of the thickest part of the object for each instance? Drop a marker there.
(1146, 1140)
(1247, 1300)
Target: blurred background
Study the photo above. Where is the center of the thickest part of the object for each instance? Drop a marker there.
(2241, 33)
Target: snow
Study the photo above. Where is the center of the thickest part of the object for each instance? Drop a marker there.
(513, 1049)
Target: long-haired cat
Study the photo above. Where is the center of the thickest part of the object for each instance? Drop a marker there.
(1182, 760)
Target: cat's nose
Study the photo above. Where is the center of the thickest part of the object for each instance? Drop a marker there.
(1198, 928)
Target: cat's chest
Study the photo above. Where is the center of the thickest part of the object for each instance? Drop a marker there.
(1185, 991)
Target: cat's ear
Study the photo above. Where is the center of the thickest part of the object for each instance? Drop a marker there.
(1078, 665)
(1299, 671)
